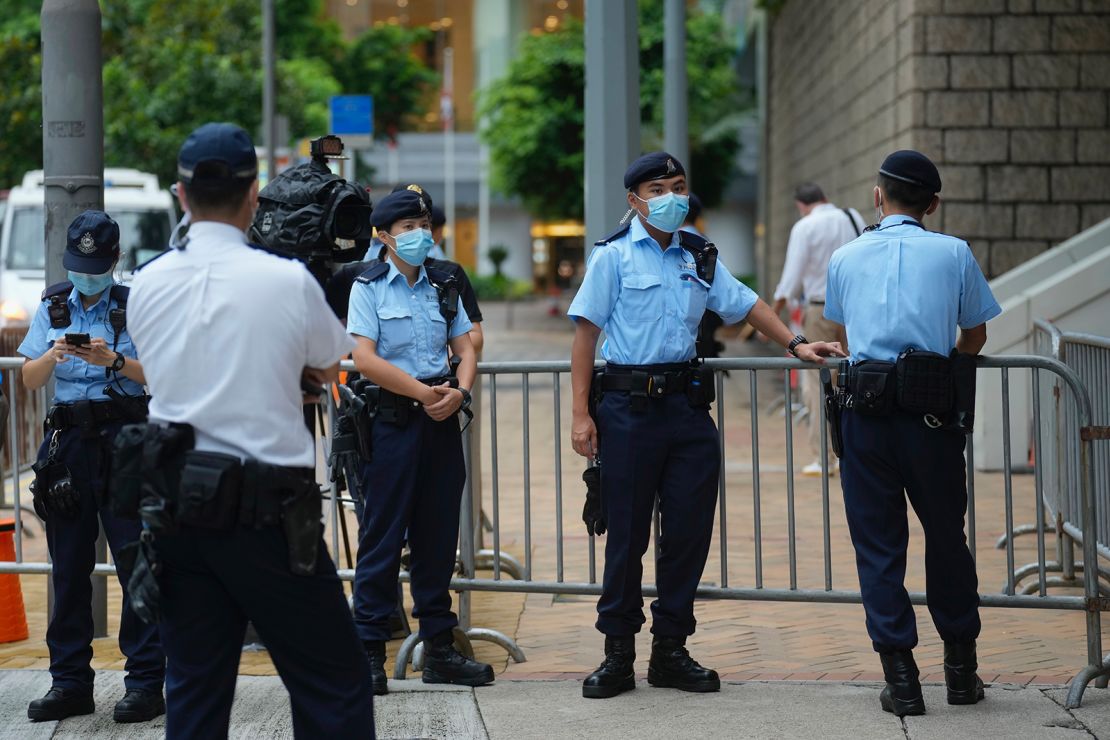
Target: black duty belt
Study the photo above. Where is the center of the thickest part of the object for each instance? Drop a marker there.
(87, 414)
(647, 380)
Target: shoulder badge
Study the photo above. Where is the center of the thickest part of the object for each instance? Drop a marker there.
(621, 231)
(376, 272)
(62, 288)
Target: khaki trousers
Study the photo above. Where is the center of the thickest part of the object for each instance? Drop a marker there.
(816, 328)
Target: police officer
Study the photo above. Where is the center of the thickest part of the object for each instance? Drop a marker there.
(647, 285)
(405, 316)
(79, 337)
(900, 291)
(234, 330)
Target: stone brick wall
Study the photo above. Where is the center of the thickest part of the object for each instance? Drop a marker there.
(1009, 97)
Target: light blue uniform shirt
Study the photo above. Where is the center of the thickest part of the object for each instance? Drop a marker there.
(900, 286)
(75, 379)
(405, 322)
(649, 301)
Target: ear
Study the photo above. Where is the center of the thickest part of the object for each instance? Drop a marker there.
(386, 238)
(181, 196)
(877, 196)
(933, 205)
(631, 198)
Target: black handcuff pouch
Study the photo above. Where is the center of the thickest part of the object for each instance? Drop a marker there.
(924, 381)
(872, 385)
(210, 487)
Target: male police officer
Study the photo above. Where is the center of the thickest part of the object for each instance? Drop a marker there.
(80, 337)
(647, 285)
(900, 291)
(235, 330)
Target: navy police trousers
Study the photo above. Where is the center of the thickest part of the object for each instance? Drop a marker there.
(670, 451)
(212, 583)
(72, 544)
(885, 460)
(414, 484)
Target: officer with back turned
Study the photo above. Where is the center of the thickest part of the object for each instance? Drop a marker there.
(647, 286)
(900, 291)
(231, 497)
(79, 336)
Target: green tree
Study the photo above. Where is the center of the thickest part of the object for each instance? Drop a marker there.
(21, 93)
(382, 63)
(535, 113)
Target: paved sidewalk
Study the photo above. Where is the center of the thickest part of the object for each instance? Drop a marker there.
(521, 710)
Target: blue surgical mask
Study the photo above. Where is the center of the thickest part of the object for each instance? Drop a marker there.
(667, 212)
(90, 285)
(413, 246)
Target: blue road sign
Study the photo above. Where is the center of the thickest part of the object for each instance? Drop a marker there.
(352, 115)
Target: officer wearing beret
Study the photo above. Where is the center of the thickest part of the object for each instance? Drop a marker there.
(90, 310)
(647, 286)
(405, 316)
(233, 331)
(900, 291)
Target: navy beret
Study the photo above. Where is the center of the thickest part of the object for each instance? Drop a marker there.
(912, 167)
(92, 243)
(652, 166)
(225, 148)
(396, 206)
(424, 196)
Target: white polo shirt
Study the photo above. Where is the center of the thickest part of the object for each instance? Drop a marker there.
(224, 331)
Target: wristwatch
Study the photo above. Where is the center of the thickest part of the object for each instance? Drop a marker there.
(118, 363)
(466, 399)
(798, 339)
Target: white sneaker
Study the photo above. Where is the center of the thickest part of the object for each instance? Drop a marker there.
(813, 470)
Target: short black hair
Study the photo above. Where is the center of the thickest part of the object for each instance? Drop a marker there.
(907, 195)
(695, 209)
(809, 193)
(207, 193)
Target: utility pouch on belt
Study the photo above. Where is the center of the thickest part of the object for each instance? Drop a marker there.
(301, 514)
(701, 391)
(126, 487)
(164, 458)
(963, 387)
(210, 486)
(871, 384)
(595, 392)
(925, 383)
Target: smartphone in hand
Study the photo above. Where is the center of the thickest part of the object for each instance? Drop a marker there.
(77, 340)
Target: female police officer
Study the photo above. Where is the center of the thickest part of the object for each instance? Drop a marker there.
(404, 316)
(647, 285)
(79, 337)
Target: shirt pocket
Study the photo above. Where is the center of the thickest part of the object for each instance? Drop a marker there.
(438, 332)
(641, 297)
(395, 328)
(695, 294)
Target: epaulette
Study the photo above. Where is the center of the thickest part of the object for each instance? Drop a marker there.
(621, 231)
(62, 288)
(379, 270)
(704, 251)
(157, 256)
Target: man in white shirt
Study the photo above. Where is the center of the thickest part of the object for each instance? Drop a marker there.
(822, 229)
(238, 329)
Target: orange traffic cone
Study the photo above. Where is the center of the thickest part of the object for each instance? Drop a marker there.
(13, 619)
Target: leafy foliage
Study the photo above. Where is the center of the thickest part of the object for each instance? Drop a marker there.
(536, 112)
(171, 66)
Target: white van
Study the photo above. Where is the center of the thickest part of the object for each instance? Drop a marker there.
(144, 212)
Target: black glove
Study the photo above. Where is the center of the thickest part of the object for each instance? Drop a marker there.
(53, 491)
(592, 516)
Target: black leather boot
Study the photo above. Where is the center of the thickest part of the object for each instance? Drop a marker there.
(444, 664)
(902, 694)
(139, 705)
(960, 664)
(614, 675)
(671, 667)
(61, 703)
(375, 653)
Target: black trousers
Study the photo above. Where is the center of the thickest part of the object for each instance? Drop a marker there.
(670, 451)
(72, 544)
(212, 584)
(887, 459)
(414, 484)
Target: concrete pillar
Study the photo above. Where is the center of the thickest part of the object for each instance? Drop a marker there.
(676, 137)
(73, 156)
(612, 110)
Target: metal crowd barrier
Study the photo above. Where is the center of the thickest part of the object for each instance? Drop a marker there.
(572, 567)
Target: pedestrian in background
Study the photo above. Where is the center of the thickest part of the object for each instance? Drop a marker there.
(821, 230)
